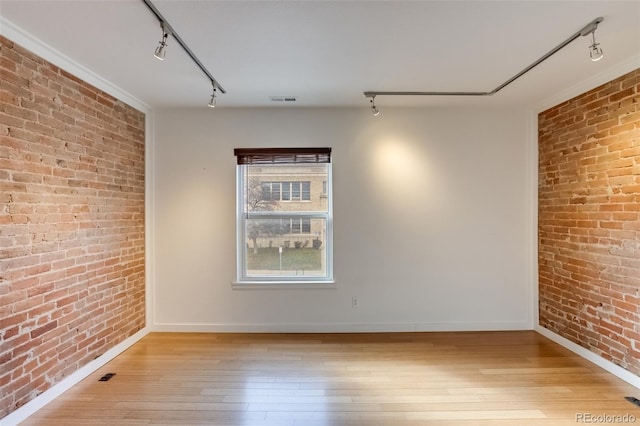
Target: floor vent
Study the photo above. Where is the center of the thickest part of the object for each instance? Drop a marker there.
(282, 98)
(107, 377)
(633, 400)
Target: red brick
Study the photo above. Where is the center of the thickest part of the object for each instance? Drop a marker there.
(40, 331)
(56, 130)
(5, 323)
(588, 220)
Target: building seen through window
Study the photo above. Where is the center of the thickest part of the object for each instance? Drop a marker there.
(284, 222)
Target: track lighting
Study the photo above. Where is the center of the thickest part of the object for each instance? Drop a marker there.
(374, 109)
(162, 47)
(594, 51)
(161, 50)
(212, 102)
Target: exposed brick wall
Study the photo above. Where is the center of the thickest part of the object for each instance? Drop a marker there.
(589, 224)
(71, 224)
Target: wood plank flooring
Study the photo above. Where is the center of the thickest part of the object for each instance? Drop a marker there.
(398, 379)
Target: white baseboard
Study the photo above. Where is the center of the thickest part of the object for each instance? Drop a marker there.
(612, 368)
(340, 327)
(65, 384)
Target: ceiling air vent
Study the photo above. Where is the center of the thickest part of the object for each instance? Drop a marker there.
(282, 98)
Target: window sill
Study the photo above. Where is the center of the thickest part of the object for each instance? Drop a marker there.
(282, 285)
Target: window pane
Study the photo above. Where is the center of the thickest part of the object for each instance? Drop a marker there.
(284, 222)
(271, 252)
(306, 191)
(295, 190)
(266, 187)
(266, 192)
(286, 191)
(275, 191)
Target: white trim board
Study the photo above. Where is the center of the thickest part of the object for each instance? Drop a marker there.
(584, 86)
(149, 217)
(341, 327)
(533, 217)
(532, 172)
(68, 382)
(50, 54)
(596, 359)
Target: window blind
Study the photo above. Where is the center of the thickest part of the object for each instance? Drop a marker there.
(282, 155)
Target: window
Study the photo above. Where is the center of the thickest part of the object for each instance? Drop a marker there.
(287, 191)
(284, 222)
(295, 226)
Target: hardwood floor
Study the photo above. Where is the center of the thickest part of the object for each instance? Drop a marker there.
(492, 378)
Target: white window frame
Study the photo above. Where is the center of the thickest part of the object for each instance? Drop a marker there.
(243, 280)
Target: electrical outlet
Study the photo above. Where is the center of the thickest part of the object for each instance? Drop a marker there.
(355, 302)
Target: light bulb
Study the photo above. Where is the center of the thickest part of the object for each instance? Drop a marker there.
(374, 109)
(595, 52)
(161, 51)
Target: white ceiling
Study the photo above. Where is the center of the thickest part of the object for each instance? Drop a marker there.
(327, 53)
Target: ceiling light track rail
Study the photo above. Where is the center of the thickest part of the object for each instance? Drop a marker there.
(584, 31)
(168, 29)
